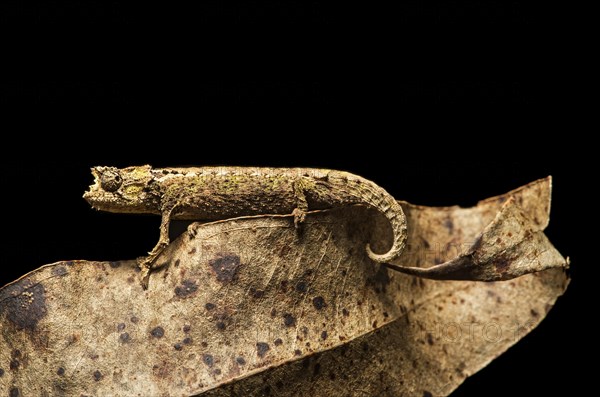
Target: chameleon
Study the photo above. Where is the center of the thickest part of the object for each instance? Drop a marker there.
(215, 193)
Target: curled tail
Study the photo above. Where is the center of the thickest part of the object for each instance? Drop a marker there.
(394, 214)
(366, 192)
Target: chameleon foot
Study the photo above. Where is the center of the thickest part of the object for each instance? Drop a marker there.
(145, 275)
(299, 216)
(146, 264)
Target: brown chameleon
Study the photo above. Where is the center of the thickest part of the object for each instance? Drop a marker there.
(213, 193)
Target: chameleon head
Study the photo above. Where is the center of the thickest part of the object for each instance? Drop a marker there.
(123, 190)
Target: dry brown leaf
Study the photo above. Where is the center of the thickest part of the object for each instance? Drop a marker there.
(510, 246)
(249, 307)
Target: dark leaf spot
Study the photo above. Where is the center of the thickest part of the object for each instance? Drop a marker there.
(226, 267)
(319, 302)
(97, 376)
(298, 352)
(187, 328)
(221, 325)
(187, 341)
(134, 319)
(187, 288)
(204, 344)
(209, 306)
(14, 392)
(208, 359)
(324, 335)
(534, 313)
(177, 262)
(60, 371)
(124, 337)
(14, 365)
(158, 332)
(1, 372)
(217, 371)
(430, 339)
(449, 225)
(59, 271)
(301, 287)
(289, 320)
(262, 348)
(273, 312)
(502, 265)
(192, 251)
(345, 312)
(257, 294)
(178, 346)
(427, 394)
(121, 327)
(23, 303)
(240, 360)
(115, 265)
(278, 342)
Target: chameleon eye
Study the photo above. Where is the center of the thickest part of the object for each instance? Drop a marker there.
(111, 180)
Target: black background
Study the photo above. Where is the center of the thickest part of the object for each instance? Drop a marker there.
(436, 102)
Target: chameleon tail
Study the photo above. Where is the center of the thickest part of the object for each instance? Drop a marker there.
(367, 192)
(394, 214)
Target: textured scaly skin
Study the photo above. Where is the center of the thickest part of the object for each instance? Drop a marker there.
(213, 193)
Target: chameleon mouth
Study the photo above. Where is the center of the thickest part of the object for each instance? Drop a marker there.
(93, 187)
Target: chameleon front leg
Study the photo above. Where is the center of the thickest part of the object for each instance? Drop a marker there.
(146, 264)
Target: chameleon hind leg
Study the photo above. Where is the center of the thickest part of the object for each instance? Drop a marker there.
(146, 264)
(301, 204)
